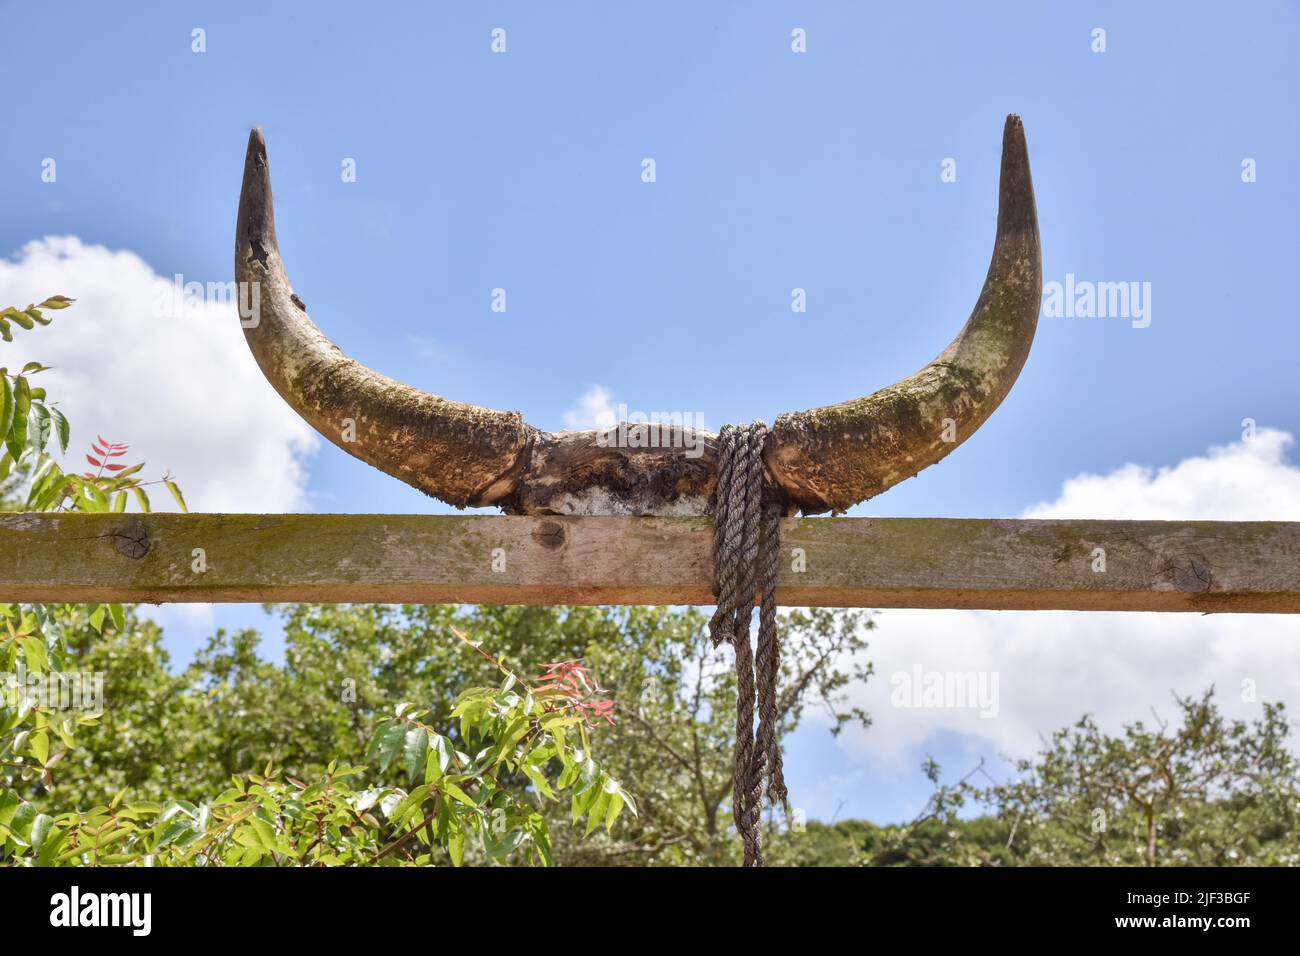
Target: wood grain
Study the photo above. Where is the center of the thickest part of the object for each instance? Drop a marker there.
(849, 562)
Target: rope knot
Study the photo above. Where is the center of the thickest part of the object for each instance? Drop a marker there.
(746, 554)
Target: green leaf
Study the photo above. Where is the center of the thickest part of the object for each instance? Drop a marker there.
(50, 847)
(97, 617)
(179, 827)
(141, 498)
(542, 840)
(514, 733)
(539, 781)
(176, 493)
(455, 791)
(582, 802)
(265, 833)
(416, 751)
(442, 747)
(119, 616)
(118, 477)
(8, 805)
(390, 744)
(456, 842)
(40, 829)
(597, 815)
(93, 498)
(61, 428)
(39, 745)
(34, 654)
(39, 425)
(7, 406)
(46, 472)
(611, 812)
(16, 438)
(22, 823)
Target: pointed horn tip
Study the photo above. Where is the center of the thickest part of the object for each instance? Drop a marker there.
(1013, 135)
(255, 225)
(256, 155)
(1017, 211)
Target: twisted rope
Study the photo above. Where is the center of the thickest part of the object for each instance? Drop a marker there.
(741, 526)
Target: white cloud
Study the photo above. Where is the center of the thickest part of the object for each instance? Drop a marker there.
(595, 409)
(1245, 481)
(180, 387)
(1053, 666)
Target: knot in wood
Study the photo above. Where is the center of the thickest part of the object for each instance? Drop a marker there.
(550, 535)
(132, 540)
(1187, 572)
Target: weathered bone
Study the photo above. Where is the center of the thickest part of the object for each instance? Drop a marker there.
(833, 457)
(821, 459)
(463, 454)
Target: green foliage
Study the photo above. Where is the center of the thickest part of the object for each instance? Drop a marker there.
(238, 761)
(30, 476)
(31, 316)
(1207, 791)
(501, 764)
(451, 800)
(267, 818)
(182, 735)
(35, 738)
(527, 742)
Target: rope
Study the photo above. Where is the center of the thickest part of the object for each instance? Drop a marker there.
(742, 527)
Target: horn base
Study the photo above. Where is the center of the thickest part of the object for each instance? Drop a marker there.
(597, 473)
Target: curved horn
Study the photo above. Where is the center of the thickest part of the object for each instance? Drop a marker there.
(463, 454)
(831, 458)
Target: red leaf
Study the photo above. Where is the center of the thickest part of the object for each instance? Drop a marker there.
(115, 467)
(119, 453)
(97, 464)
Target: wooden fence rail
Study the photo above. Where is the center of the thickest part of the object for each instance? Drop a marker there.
(830, 562)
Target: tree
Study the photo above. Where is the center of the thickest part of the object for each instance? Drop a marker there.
(672, 724)
(1207, 791)
(514, 744)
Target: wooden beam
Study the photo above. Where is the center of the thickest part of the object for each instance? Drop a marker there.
(847, 562)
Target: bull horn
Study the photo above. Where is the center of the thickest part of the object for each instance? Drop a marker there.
(460, 453)
(829, 458)
(823, 459)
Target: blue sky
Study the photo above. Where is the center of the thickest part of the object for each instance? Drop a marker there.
(775, 170)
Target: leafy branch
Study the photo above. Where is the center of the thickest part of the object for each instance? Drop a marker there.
(31, 316)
